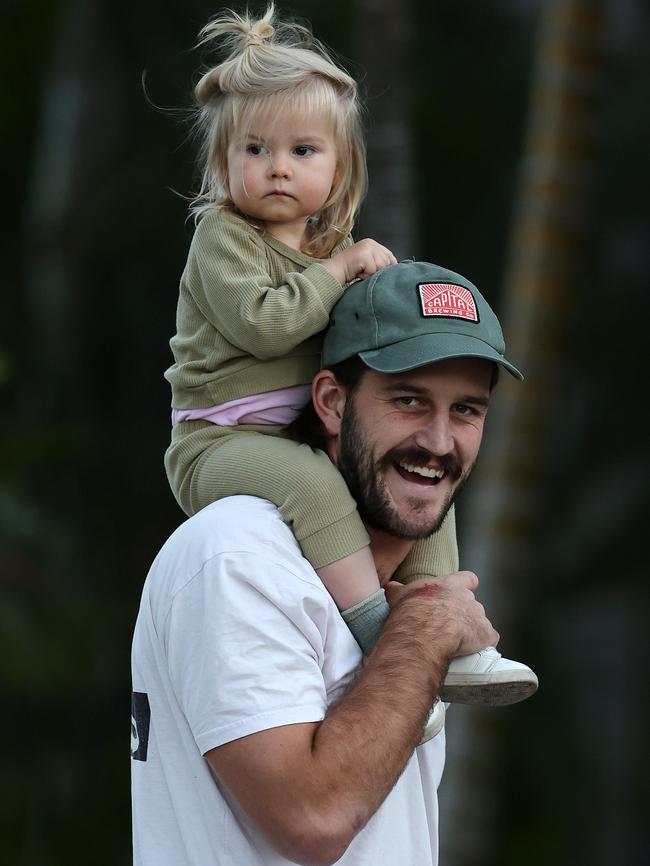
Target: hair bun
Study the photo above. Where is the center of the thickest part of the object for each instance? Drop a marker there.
(260, 31)
(235, 34)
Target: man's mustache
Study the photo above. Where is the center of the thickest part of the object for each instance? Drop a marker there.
(422, 457)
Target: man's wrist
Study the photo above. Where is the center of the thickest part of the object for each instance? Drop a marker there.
(433, 629)
(414, 651)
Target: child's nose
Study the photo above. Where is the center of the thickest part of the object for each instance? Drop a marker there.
(279, 165)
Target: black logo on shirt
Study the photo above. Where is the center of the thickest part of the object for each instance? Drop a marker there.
(140, 719)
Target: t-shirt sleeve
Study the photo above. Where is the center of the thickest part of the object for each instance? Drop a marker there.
(245, 642)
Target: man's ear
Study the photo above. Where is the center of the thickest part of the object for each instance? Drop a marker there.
(329, 398)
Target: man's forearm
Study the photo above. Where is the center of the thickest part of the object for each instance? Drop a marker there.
(365, 741)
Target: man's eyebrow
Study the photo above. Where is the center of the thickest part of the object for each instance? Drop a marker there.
(475, 400)
(396, 387)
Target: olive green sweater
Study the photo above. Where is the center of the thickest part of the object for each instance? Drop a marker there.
(250, 314)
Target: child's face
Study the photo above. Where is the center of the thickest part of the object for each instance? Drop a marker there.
(283, 172)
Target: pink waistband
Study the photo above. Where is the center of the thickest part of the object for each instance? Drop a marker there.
(271, 407)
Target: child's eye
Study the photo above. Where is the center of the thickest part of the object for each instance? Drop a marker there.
(255, 149)
(303, 150)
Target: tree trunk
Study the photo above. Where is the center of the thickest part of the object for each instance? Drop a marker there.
(508, 495)
(385, 31)
(80, 124)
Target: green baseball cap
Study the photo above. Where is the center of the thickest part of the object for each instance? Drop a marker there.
(411, 314)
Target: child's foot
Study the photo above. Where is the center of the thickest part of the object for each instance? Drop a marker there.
(487, 678)
(434, 723)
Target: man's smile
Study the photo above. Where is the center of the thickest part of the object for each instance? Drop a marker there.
(423, 475)
(418, 467)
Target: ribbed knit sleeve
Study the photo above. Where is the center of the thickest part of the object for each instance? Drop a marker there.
(250, 314)
(229, 279)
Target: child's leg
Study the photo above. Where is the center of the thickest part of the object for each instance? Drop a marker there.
(432, 556)
(208, 462)
(303, 483)
(479, 678)
(336, 577)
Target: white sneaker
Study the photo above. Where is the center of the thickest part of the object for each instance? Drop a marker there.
(487, 678)
(434, 723)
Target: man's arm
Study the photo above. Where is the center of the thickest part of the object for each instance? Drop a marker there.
(310, 788)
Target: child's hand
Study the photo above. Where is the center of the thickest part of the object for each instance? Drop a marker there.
(360, 260)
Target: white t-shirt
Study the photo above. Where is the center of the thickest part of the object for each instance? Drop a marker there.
(236, 634)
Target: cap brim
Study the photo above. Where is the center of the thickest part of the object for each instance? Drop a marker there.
(429, 348)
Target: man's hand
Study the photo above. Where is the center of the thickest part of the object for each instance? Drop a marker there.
(444, 611)
(362, 259)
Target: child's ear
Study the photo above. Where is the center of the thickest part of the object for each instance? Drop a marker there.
(329, 398)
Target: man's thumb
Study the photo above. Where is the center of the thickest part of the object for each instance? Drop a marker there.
(394, 592)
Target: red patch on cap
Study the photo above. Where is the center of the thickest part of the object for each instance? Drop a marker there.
(447, 299)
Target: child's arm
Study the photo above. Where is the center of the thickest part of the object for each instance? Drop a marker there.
(229, 280)
(359, 261)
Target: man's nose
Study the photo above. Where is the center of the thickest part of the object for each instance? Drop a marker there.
(436, 436)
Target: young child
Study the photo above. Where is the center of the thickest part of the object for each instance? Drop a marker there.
(283, 177)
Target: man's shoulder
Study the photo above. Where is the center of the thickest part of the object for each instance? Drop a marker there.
(237, 529)
(235, 523)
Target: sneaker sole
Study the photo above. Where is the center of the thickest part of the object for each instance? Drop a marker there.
(494, 693)
(434, 724)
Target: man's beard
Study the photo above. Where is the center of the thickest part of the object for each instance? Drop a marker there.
(365, 480)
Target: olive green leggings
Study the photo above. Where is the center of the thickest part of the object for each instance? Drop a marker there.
(206, 462)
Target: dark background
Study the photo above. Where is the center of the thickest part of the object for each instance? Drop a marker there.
(94, 238)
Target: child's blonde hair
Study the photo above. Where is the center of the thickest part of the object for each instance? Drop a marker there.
(268, 67)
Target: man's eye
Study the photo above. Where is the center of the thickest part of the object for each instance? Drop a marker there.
(462, 409)
(407, 402)
(303, 150)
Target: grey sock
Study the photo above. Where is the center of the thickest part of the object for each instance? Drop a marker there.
(366, 619)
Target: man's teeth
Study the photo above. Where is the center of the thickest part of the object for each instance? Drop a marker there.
(423, 470)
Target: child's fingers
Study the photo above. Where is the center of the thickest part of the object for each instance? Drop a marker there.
(369, 257)
(380, 258)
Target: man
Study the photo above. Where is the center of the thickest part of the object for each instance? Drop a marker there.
(258, 737)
